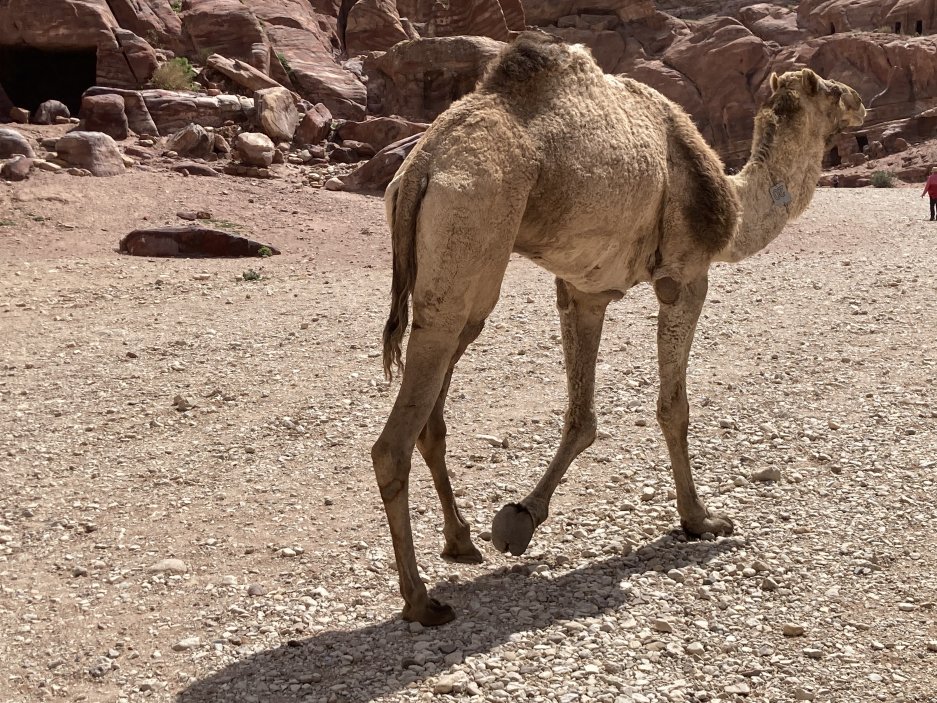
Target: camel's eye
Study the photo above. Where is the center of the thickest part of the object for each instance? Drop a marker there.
(836, 92)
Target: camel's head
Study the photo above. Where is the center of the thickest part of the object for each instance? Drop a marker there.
(835, 105)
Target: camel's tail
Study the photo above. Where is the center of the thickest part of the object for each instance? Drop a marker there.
(403, 200)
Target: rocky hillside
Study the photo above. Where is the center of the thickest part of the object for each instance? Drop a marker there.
(413, 57)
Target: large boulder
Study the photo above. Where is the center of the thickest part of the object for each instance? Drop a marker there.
(192, 240)
(315, 126)
(104, 113)
(276, 113)
(48, 111)
(93, 151)
(379, 131)
(192, 140)
(12, 143)
(373, 176)
(373, 25)
(254, 148)
(420, 78)
(138, 115)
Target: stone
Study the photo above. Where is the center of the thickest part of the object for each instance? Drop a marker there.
(221, 145)
(106, 114)
(373, 25)
(379, 131)
(93, 151)
(256, 589)
(276, 113)
(16, 169)
(169, 566)
(661, 625)
(192, 140)
(49, 110)
(792, 630)
(334, 184)
(315, 125)
(186, 644)
(192, 240)
(769, 473)
(12, 143)
(19, 115)
(191, 168)
(254, 148)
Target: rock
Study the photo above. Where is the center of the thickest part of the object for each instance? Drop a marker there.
(373, 176)
(192, 240)
(93, 151)
(46, 166)
(48, 111)
(334, 184)
(647, 494)
(276, 113)
(315, 125)
(12, 143)
(241, 73)
(181, 403)
(192, 140)
(661, 625)
(104, 113)
(191, 168)
(138, 115)
(373, 25)
(16, 169)
(738, 689)
(419, 79)
(792, 629)
(169, 566)
(255, 589)
(19, 115)
(379, 131)
(769, 473)
(450, 683)
(186, 644)
(221, 145)
(254, 148)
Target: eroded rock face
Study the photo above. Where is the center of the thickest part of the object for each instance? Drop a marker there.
(418, 79)
(380, 131)
(373, 25)
(16, 169)
(373, 176)
(93, 151)
(315, 125)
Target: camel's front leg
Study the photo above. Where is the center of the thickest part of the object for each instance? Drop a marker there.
(581, 318)
(680, 306)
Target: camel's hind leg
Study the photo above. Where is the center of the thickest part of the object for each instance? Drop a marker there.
(432, 445)
(680, 306)
(581, 319)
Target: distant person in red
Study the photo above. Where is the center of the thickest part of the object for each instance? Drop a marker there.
(930, 188)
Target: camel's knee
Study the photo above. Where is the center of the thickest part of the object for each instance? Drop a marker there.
(673, 412)
(391, 467)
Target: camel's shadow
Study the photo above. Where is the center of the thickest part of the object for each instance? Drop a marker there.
(363, 664)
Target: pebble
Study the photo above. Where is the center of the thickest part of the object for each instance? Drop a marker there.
(186, 643)
(647, 494)
(171, 566)
(769, 473)
(492, 440)
(256, 589)
(661, 625)
(792, 629)
(334, 184)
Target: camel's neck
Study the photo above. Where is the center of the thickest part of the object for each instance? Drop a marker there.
(776, 185)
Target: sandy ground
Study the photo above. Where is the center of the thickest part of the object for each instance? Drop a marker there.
(816, 357)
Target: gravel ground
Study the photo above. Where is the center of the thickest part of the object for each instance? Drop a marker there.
(188, 510)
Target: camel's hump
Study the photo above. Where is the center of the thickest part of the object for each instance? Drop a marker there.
(530, 56)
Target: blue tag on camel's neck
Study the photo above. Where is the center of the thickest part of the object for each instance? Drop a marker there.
(779, 194)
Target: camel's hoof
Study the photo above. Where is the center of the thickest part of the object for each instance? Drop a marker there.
(430, 614)
(463, 554)
(714, 523)
(512, 529)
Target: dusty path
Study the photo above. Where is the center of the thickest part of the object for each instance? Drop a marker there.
(816, 358)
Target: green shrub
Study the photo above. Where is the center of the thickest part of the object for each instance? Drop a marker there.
(176, 6)
(251, 275)
(883, 179)
(265, 252)
(175, 74)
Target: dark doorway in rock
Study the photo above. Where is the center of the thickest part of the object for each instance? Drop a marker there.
(833, 159)
(832, 28)
(31, 76)
(863, 142)
(897, 27)
(919, 27)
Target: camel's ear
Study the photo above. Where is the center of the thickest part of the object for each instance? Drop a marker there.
(811, 81)
(775, 82)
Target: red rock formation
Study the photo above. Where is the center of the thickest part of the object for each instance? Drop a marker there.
(373, 25)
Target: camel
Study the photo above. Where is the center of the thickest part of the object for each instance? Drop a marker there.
(605, 183)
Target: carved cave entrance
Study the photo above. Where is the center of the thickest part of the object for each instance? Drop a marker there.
(31, 76)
